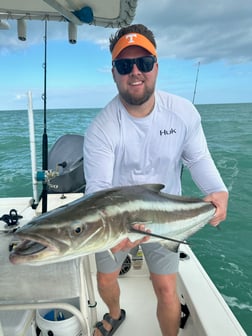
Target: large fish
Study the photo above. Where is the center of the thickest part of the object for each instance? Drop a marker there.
(99, 221)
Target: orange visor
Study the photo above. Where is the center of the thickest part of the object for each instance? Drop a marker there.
(133, 39)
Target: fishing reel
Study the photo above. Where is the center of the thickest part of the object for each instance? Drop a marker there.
(46, 175)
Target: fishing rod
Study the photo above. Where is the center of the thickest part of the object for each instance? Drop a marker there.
(196, 81)
(44, 137)
(194, 94)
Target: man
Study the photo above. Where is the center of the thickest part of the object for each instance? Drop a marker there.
(143, 136)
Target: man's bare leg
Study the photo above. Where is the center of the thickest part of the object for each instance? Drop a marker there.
(168, 307)
(109, 291)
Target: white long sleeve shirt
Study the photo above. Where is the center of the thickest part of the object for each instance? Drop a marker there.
(120, 149)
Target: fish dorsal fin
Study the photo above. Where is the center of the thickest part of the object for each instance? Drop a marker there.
(154, 187)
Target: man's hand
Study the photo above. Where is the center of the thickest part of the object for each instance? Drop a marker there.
(126, 244)
(220, 201)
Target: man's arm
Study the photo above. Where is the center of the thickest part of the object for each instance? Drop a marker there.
(205, 173)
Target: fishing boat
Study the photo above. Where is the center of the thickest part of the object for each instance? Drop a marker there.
(61, 298)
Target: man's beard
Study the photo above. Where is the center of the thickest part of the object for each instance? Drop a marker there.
(137, 100)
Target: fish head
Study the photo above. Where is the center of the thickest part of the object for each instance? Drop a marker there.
(43, 241)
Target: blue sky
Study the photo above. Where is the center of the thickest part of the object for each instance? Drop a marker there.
(218, 34)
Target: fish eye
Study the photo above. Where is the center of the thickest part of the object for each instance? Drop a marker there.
(78, 229)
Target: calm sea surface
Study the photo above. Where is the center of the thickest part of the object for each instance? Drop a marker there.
(226, 254)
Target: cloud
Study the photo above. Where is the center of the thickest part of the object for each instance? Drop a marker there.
(20, 96)
(206, 31)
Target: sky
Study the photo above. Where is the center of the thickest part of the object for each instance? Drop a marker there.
(218, 34)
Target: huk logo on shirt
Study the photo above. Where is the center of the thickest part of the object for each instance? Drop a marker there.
(165, 132)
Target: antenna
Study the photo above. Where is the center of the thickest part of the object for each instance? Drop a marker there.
(196, 81)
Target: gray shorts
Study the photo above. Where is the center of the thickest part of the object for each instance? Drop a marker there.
(158, 258)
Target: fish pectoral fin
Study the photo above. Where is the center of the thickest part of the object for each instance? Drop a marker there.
(163, 238)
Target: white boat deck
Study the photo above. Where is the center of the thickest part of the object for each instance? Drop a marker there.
(36, 287)
(139, 301)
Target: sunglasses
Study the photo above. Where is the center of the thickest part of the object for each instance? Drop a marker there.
(124, 66)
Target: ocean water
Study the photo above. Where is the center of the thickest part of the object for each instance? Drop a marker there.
(226, 253)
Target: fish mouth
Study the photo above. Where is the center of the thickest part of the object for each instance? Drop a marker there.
(28, 247)
(28, 250)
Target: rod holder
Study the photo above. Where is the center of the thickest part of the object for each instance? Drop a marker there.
(72, 33)
(21, 28)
